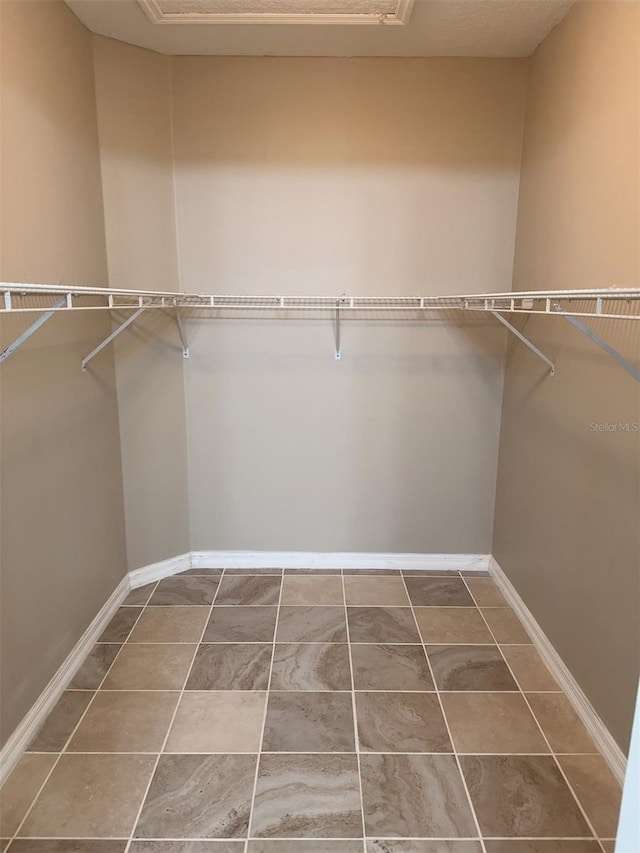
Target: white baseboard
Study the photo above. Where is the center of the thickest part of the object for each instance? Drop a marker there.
(157, 571)
(337, 560)
(40, 710)
(601, 735)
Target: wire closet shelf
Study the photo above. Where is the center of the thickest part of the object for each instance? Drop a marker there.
(613, 303)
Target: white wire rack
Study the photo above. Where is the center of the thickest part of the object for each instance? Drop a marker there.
(615, 303)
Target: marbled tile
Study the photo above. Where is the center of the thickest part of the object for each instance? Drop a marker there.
(540, 845)
(170, 625)
(120, 626)
(198, 796)
(528, 668)
(61, 722)
(376, 591)
(304, 589)
(312, 625)
(249, 589)
(401, 722)
(389, 845)
(181, 590)
(95, 666)
(505, 625)
(150, 667)
(452, 625)
(609, 845)
(492, 722)
(313, 571)
(517, 795)
(218, 721)
(186, 847)
(438, 592)
(431, 573)
(125, 721)
(470, 668)
(236, 624)
(262, 571)
(392, 667)
(373, 572)
(20, 789)
(485, 592)
(414, 795)
(307, 796)
(202, 572)
(309, 722)
(85, 797)
(382, 625)
(298, 846)
(140, 596)
(560, 723)
(231, 666)
(311, 666)
(596, 788)
(68, 845)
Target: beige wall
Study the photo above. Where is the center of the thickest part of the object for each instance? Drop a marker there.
(134, 119)
(567, 508)
(326, 176)
(62, 517)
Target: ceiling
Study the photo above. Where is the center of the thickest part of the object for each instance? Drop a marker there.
(272, 28)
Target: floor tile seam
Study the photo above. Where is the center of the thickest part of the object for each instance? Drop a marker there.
(354, 712)
(470, 754)
(306, 838)
(446, 722)
(134, 825)
(254, 790)
(75, 728)
(542, 732)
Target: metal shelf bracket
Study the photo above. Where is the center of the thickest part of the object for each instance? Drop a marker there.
(613, 352)
(185, 348)
(42, 319)
(525, 341)
(113, 335)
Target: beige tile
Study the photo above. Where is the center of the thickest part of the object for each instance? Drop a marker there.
(452, 625)
(528, 668)
(485, 592)
(153, 667)
(505, 625)
(170, 625)
(91, 796)
(609, 846)
(304, 589)
(218, 721)
(21, 787)
(560, 723)
(61, 722)
(376, 591)
(597, 790)
(124, 721)
(492, 722)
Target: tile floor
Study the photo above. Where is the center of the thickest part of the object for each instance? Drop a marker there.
(333, 712)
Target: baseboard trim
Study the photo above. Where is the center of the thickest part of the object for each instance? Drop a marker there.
(601, 735)
(157, 571)
(338, 560)
(39, 711)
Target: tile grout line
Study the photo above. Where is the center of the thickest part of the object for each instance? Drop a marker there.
(264, 714)
(354, 711)
(446, 722)
(537, 722)
(134, 826)
(82, 716)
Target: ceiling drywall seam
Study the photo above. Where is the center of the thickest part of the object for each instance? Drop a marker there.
(176, 227)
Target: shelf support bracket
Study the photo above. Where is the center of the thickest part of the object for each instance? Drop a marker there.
(338, 353)
(613, 352)
(185, 348)
(42, 319)
(525, 341)
(114, 335)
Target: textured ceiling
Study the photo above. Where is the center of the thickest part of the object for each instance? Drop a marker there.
(436, 28)
(278, 7)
